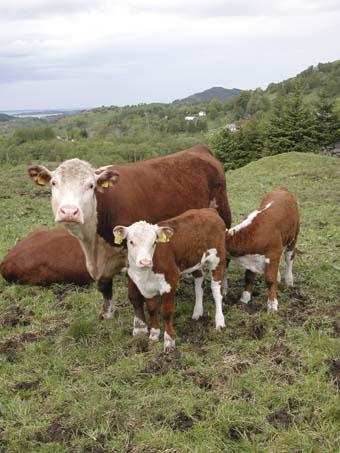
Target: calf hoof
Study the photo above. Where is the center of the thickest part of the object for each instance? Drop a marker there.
(289, 281)
(272, 305)
(245, 298)
(169, 344)
(197, 314)
(220, 325)
(154, 334)
(107, 314)
(139, 327)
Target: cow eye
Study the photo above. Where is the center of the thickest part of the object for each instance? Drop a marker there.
(53, 183)
(91, 186)
(131, 242)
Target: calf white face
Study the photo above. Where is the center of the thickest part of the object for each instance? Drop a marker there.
(142, 238)
(73, 186)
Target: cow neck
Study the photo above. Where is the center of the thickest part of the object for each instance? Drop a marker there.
(239, 240)
(96, 250)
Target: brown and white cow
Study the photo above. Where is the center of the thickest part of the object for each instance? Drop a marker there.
(257, 243)
(89, 203)
(159, 253)
(45, 256)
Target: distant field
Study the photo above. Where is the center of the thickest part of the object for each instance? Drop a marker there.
(267, 383)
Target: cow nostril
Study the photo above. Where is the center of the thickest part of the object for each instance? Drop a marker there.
(75, 211)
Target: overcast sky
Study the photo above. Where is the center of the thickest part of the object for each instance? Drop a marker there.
(86, 53)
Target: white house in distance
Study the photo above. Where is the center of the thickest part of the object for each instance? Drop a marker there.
(232, 127)
(202, 113)
(189, 118)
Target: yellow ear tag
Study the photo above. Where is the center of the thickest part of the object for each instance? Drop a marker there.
(163, 237)
(41, 181)
(118, 237)
(105, 184)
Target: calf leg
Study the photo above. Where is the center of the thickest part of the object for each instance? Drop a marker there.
(137, 300)
(271, 280)
(152, 305)
(168, 308)
(249, 278)
(289, 258)
(104, 285)
(217, 291)
(198, 309)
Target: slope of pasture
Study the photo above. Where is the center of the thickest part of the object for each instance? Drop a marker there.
(70, 382)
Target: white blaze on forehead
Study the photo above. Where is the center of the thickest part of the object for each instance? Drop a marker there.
(248, 220)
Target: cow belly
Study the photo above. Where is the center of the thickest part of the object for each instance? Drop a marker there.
(255, 263)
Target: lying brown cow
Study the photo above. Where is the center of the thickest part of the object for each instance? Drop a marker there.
(91, 202)
(47, 255)
(158, 254)
(257, 243)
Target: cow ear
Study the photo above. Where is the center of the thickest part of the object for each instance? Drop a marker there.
(40, 174)
(106, 179)
(164, 234)
(120, 233)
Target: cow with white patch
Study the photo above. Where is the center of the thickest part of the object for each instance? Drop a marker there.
(159, 253)
(258, 242)
(90, 202)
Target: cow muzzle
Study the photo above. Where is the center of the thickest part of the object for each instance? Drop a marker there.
(145, 262)
(68, 213)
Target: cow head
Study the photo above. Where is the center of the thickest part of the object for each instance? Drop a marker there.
(73, 185)
(141, 238)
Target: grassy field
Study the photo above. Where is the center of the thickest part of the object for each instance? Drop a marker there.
(267, 383)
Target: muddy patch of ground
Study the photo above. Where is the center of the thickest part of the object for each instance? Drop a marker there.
(13, 344)
(280, 419)
(163, 363)
(334, 371)
(15, 315)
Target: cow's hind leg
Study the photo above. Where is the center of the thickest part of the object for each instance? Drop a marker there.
(270, 275)
(139, 323)
(289, 258)
(198, 309)
(249, 278)
(105, 287)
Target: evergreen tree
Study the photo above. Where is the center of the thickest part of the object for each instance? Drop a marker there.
(328, 125)
(291, 128)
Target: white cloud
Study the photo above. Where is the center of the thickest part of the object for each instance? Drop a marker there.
(155, 50)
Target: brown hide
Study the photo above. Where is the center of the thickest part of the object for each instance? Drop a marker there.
(271, 230)
(162, 188)
(46, 256)
(195, 232)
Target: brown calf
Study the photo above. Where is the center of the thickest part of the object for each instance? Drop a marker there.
(257, 243)
(47, 255)
(158, 254)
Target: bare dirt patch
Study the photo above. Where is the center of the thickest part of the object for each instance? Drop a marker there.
(15, 315)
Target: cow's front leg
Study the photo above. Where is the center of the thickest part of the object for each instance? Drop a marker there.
(139, 323)
(152, 305)
(168, 308)
(105, 287)
(249, 279)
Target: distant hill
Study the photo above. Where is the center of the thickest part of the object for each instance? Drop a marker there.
(322, 80)
(219, 93)
(4, 117)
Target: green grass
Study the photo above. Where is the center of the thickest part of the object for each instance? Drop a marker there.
(267, 383)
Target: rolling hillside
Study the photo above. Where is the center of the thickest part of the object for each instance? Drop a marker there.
(70, 382)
